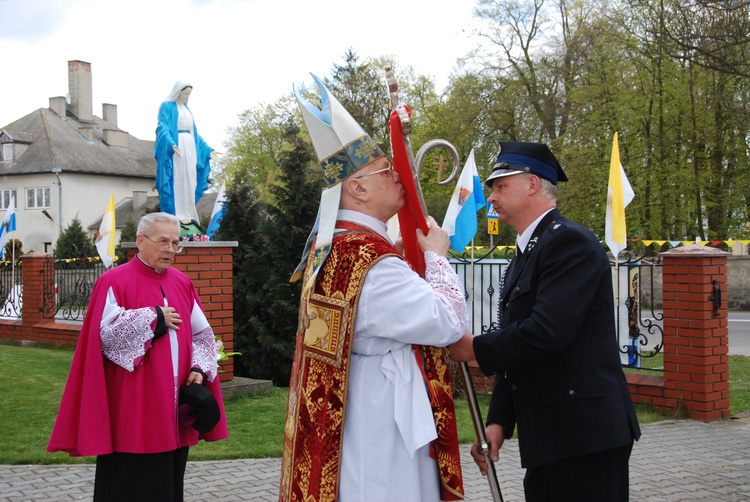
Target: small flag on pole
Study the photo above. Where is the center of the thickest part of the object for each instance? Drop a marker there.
(105, 237)
(8, 224)
(619, 195)
(218, 212)
(461, 217)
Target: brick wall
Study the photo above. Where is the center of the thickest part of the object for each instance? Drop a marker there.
(696, 338)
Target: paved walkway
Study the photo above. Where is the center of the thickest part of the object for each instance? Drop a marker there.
(675, 460)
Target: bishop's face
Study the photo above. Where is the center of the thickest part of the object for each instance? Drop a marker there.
(385, 188)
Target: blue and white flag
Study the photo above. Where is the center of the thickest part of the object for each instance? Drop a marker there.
(8, 225)
(218, 212)
(461, 218)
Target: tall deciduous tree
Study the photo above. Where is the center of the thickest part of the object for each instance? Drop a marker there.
(256, 142)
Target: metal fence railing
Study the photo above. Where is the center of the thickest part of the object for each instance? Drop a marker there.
(68, 286)
(11, 294)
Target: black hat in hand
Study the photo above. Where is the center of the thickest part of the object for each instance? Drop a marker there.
(198, 407)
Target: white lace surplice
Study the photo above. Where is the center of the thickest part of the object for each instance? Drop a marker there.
(126, 336)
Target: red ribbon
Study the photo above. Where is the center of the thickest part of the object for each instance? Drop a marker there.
(410, 217)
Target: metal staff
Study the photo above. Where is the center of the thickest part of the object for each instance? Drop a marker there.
(416, 167)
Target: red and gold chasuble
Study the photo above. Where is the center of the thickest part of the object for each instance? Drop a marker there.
(318, 386)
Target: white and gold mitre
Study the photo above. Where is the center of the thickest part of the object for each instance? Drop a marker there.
(342, 147)
(340, 143)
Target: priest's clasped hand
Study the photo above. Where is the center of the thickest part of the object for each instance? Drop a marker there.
(171, 318)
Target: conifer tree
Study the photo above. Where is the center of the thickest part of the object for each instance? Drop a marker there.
(127, 234)
(240, 223)
(74, 243)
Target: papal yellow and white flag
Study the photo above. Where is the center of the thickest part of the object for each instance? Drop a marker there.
(105, 237)
(619, 195)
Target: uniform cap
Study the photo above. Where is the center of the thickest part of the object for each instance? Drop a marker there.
(516, 157)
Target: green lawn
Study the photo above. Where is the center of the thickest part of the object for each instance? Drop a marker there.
(35, 378)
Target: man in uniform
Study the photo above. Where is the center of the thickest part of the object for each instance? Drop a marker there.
(554, 355)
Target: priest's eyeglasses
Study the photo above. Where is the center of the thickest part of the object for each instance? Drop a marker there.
(165, 245)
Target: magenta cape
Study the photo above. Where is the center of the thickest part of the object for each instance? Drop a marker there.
(107, 409)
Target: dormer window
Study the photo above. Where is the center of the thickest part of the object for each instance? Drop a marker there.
(7, 151)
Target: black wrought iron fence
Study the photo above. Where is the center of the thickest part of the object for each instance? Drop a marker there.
(67, 287)
(11, 292)
(638, 282)
(481, 279)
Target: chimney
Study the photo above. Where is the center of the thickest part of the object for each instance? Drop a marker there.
(87, 132)
(115, 137)
(139, 199)
(109, 113)
(79, 88)
(57, 105)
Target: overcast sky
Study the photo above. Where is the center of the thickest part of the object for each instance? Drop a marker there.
(235, 53)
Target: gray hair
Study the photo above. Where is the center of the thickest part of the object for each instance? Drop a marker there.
(548, 189)
(147, 221)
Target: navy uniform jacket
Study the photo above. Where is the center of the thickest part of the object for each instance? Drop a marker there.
(556, 360)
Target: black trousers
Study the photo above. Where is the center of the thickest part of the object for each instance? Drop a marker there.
(144, 477)
(596, 477)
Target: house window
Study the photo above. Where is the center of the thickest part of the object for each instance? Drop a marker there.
(37, 198)
(7, 151)
(5, 196)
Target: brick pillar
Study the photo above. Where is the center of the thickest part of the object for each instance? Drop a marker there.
(33, 267)
(696, 338)
(209, 266)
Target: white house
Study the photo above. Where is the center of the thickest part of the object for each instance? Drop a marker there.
(64, 162)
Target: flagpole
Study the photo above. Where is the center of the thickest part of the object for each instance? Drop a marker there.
(472, 272)
(617, 296)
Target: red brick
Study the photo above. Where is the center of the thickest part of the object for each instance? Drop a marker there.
(675, 287)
